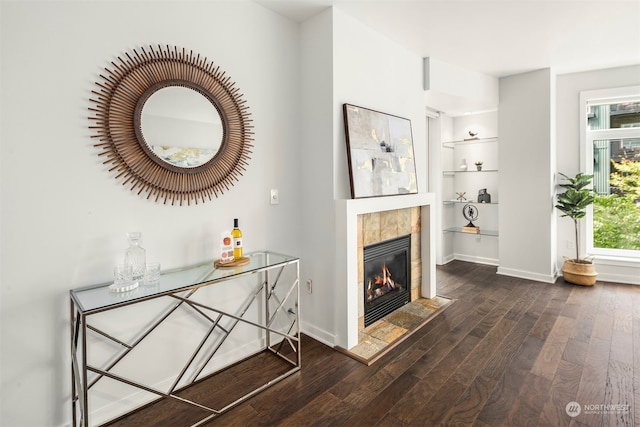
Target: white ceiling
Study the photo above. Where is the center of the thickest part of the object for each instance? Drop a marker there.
(499, 37)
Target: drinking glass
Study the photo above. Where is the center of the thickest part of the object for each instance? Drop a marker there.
(152, 273)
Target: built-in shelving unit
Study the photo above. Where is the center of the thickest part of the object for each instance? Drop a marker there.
(459, 177)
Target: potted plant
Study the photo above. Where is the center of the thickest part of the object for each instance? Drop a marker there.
(573, 203)
(479, 165)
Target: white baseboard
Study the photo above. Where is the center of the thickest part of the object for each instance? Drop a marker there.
(618, 270)
(619, 278)
(626, 279)
(476, 259)
(448, 259)
(546, 278)
(318, 334)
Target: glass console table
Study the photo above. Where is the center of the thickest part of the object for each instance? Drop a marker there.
(269, 309)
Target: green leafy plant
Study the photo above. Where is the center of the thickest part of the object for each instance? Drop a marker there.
(616, 217)
(616, 222)
(574, 202)
(626, 178)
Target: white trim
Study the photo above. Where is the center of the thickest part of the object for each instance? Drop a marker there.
(611, 95)
(621, 255)
(476, 259)
(347, 297)
(447, 259)
(599, 97)
(318, 334)
(521, 274)
(431, 114)
(626, 279)
(595, 96)
(618, 269)
(617, 261)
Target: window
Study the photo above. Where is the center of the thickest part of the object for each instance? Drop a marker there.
(612, 155)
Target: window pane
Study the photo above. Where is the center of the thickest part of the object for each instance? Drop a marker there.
(616, 182)
(614, 116)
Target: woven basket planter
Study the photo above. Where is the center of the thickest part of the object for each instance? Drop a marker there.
(579, 273)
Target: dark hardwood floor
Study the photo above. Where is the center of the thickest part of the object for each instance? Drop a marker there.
(508, 352)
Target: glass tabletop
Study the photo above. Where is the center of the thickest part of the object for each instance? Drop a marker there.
(98, 297)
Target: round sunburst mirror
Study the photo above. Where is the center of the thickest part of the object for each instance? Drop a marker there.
(171, 124)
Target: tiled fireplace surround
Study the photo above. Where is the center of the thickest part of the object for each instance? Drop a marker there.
(360, 222)
(375, 227)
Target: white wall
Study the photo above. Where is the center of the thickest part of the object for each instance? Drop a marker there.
(568, 153)
(316, 175)
(456, 90)
(374, 72)
(368, 70)
(64, 217)
(527, 162)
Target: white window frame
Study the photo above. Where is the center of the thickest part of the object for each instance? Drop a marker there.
(598, 97)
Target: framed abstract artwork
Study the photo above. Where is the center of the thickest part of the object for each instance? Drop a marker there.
(380, 153)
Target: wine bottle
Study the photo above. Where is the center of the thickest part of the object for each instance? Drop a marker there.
(237, 240)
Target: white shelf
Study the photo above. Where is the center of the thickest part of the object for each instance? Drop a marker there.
(450, 144)
(452, 202)
(451, 172)
(482, 232)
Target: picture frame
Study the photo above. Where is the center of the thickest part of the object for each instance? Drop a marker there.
(380, 153)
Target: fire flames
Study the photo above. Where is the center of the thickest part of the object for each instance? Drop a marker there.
(381, 284)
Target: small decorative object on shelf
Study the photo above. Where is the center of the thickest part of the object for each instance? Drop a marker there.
(470, 212)
(461, 196)
(483, 196)
(472, 135)
(478, 165)
(464, 165)
(136, 257)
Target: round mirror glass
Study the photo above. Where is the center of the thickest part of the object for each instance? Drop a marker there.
(181, 126)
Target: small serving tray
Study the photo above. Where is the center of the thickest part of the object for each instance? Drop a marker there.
(235, 263)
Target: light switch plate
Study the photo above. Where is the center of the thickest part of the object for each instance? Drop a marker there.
(274, 197)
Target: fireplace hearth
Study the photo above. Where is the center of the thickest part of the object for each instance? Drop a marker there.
(387, 277)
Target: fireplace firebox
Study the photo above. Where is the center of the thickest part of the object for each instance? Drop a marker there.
(387, 277)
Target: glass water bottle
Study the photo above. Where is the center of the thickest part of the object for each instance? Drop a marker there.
(136, 257)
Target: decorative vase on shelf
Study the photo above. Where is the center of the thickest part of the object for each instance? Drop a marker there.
(136, 257)
(463, 165)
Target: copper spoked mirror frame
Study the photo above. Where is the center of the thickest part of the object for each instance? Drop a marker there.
(119, 99)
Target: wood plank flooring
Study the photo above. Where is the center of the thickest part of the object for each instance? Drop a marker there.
(509, 352)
